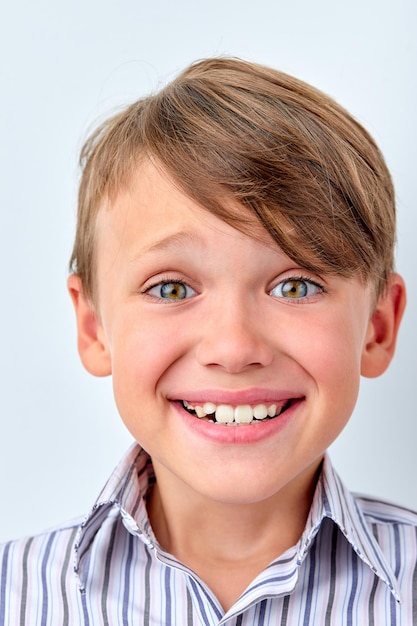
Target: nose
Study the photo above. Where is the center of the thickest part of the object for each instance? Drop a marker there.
(233, 338)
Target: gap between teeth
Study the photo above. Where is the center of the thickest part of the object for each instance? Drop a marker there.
(226, 414)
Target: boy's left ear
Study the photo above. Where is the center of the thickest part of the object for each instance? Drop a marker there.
(383, 328)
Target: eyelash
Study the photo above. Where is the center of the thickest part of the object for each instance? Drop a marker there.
(180, 280)
(301, 279)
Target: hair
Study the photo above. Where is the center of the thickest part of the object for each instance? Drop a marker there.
(232, 133)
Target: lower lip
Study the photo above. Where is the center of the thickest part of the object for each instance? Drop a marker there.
(241, 434)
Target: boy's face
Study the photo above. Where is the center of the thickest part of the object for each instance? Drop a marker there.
(192, 311)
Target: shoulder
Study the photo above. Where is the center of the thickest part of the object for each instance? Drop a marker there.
(394, 528)
(37, 572)
(20, 555)
(382, 512)
(63, 528)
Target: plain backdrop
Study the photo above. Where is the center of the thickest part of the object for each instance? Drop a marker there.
(66, 64)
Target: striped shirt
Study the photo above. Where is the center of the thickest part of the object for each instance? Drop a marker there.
(355, 564)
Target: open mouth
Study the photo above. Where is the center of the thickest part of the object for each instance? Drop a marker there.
(235, 416)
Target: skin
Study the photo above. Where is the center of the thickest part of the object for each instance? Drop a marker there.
(231, 336)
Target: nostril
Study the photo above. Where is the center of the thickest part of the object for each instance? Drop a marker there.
(234, 357)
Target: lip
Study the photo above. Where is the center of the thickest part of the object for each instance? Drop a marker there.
(236, 397)
(242, 434)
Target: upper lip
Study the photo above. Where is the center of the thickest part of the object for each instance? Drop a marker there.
(238, 397)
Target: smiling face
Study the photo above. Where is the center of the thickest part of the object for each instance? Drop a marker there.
(232, 366)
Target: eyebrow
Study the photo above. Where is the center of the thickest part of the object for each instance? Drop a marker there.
(172, 242)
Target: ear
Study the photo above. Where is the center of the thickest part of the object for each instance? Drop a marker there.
(383, 328)
(92, 344)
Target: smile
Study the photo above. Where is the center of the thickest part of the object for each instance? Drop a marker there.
(241, 414)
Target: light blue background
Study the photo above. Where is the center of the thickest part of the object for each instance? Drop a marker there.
(66, 64)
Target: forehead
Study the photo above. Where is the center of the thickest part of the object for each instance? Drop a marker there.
(151, 222)
(151, 212)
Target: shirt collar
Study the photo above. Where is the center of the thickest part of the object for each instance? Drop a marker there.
(125, 494)
(126, 490)
(334, 501)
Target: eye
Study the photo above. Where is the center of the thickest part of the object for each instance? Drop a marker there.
(296, 289)
(172, 291)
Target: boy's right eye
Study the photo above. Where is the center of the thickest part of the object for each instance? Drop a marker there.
(172, 291)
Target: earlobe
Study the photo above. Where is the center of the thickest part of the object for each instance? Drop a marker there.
(92, 344)
(383, 328)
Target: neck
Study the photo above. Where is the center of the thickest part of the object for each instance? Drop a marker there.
(223, 541)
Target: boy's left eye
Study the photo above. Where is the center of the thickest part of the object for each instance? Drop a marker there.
(296, 289)
(171, 291)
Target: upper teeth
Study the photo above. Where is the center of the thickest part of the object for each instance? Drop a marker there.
(226, 414)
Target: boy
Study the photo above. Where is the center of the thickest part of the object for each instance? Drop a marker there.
(233, 272)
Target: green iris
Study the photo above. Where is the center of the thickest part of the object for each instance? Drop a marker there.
(173, 291)
(294, 289)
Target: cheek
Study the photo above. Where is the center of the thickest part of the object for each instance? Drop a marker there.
(331, 354)
(142, 352)
(137, 368)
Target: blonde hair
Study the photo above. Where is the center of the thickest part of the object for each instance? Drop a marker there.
(226, 129)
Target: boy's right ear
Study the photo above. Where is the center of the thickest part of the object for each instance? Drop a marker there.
(92, 343)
